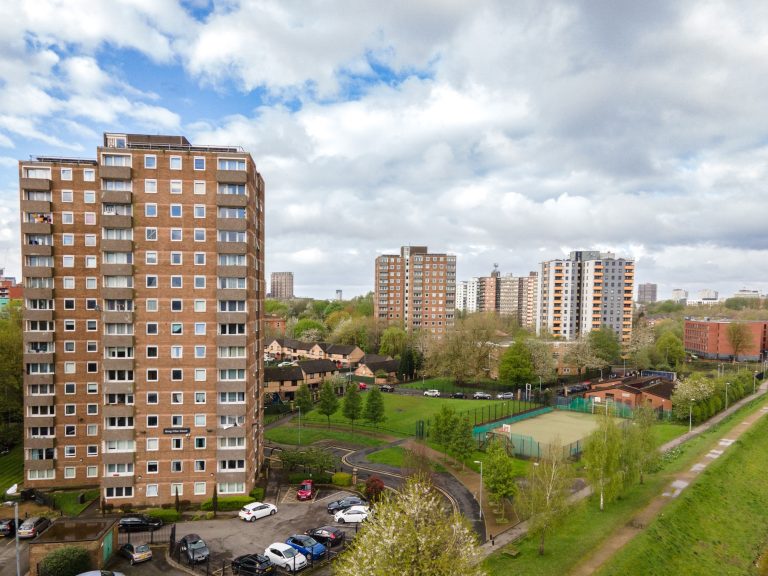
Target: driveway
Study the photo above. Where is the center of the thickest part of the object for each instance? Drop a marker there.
(8, 556)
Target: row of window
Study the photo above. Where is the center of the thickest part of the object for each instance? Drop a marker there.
(113, 422)
(152, 374)
(150, 163)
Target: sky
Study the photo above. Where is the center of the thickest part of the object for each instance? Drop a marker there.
(503, 132)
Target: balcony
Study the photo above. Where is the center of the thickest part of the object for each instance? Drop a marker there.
(232, 247)
(117, 481)
(118, 339)
(231, 294)
(117, 269)
(231, 476)
(39, 443)
(38, 314)
(118, 363)
(236, 224)
(115, 172)
(232, 200)
(116, 245)
(116, 196)
(110, 410)
(35, 227)
(118, 434)
(232, 271)
(36, 250)
(117, 293)
(38, 293)
(227, 363)
(44, 421)
(42, 357)
(231, 409)
(37, 271)
(116, 221)
(40, 400)
(40, 464)
(233, 454)
(231, 317)
(117, 457)
(232, 176)
(40, 184)
(38, 379)
(35, 206)
(231, 340)
(38, 336)
(121, 387)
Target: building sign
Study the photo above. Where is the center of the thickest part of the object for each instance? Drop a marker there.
(175, 430)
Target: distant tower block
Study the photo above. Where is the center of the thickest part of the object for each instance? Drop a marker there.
(338, 295)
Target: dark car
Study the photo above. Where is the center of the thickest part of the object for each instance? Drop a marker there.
(345, 503)
(387, 388)
(194, 548)
(31, 527)
(328, 535)
(458, 395)
(139, 523)
(7, 527)
(252, 564)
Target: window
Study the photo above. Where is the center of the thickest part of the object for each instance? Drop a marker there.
(92, 450)
(232, 282)
(231, 259)
(177, 305)
(176, 210)
(150, 258)
(66, 173)
(177, 398)
(177, 420)
(69, 325)
(90, 239)
(198, 163)
(199, 258)
(199, 488)
(177, 351)
(150, 234)
(152, 420)
(200, 420)
(177, 443)
(151, 352)
(151, 281)
(91, 325)
(199, 235)
(90, 261)
(231, 397)
(200, 375)
(174, 162)
(231, 488)
(89, 175)
(91, 471)
(177, 328)
(89, 197)
(92, 283)
(232, 306)
(151, 305)
(68, 282)
(70, 430)
(69, 368)
(199, 397)
(199, 187)
(230, 236)
(199, 281)
(91, 346)
(92, 388)
(90, 218)
(150, 161)
(176, 187)
(68, 261)
(152, 374)
(232, 442)
(150, 210)
(176, 235)
(177, 374)
(152, 398)
(199, 328)
(119, 492)
(150, 186)
(199, 466)
(236, 189)
(69, 409)
(152, 467)
(199, 211)
(67, 218)
(115, 160)
(199, 352)
(69, 304)
(153, 444)
(225, 212)
(231, 164)
(69, 388)
(67, 196)
(92, 409)
(69, 472)
(176, 282)
(67, 239)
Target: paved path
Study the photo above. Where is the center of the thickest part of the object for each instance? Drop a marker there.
(672, 491)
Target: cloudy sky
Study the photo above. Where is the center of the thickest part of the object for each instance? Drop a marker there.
(504, 132)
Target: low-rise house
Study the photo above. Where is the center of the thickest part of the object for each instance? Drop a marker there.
(291, 349)
(371, 369)
(285, 381)
(649, 391)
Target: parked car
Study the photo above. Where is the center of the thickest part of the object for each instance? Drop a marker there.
(327, 535)
(506, 396)
(7, 527)
(481, 396)
(252, 564)
(280, 554)
(33, 526)
(458, 395)
(432, 393)
(306, 490)
(307, 545)
(136, 552)
(285, 364)
(138, 523)
(387, 388)
(345, 503)
(255, 510)
(353, 515)
(194, 548)
(362, 386)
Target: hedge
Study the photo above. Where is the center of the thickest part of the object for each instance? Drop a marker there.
(167, 515)
(227, 503)
(66, 561)
(299, 477)
(257, 493)
(342, 479)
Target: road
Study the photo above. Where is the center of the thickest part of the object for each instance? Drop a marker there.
(8, 556)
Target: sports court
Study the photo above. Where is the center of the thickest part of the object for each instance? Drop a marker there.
(569, 426)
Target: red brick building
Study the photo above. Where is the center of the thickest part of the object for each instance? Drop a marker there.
(709, 339)
(651, 391)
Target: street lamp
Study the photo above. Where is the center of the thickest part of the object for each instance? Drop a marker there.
(754, 382)
(299, 406)
(16, 520)
(481, 487)
(690, 416)
(726, 394)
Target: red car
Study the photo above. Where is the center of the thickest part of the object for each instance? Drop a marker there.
(362, 386)
(306, 490)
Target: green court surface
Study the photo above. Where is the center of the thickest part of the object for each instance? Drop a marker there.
(568, 426)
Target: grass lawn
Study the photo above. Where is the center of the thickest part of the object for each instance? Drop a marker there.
(667, 431)
(717, 526)
(290, 435)
(11, 469)
(392, 456)
(447, 386)
(403, 412)
(586, 527)
(68, 504)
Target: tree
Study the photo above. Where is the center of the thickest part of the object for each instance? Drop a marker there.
(394, 341)
(739, 337)
(374, 487)
(499, 473)
(215, 500)
(462, 353)
(309, 330)
(605, 344)
(374, 407)
(644, 419)
(670, 347)
(11, 374)
(602, 459)
(66, 561)
(304, 398)
(444, 424)
(352, 407)
(544, 364)
(462, 441)
(688, 393)
(516, 366)
(407, 368)
(581, 355)
(545, 498)
(329, 402)
(411, 535)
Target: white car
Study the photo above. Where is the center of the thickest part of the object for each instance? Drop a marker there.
(432, 393)
(255, 510)
(353, 515)
(286, 557)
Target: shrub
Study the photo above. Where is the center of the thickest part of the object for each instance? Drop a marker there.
(374, 486)
(166, 505)
(209, 515)
(319, 478)
(227, 503)
(126, 507)
(341, 479)
(66, 561)
(257, 493)
(167, 515)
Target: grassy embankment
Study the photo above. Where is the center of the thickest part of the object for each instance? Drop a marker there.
(11, 469)
(586, 527)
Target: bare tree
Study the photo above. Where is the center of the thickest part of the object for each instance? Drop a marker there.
(739, 337)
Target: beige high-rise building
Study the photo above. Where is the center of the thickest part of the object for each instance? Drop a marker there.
(517, 298)
(281, 285)
(143, 287)
(584, 292)
(416, 289)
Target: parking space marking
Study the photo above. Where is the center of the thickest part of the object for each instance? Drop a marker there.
(334, 495)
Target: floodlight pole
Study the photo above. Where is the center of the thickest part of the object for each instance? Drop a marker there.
(481, 487)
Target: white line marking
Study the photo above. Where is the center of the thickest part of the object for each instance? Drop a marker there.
(698, 467)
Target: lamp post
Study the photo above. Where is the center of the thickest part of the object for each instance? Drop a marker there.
(726, 394)
(754, 382)
(16, 520)
(481, 487)
(299, 424)
(690, 416)
(539, 387)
